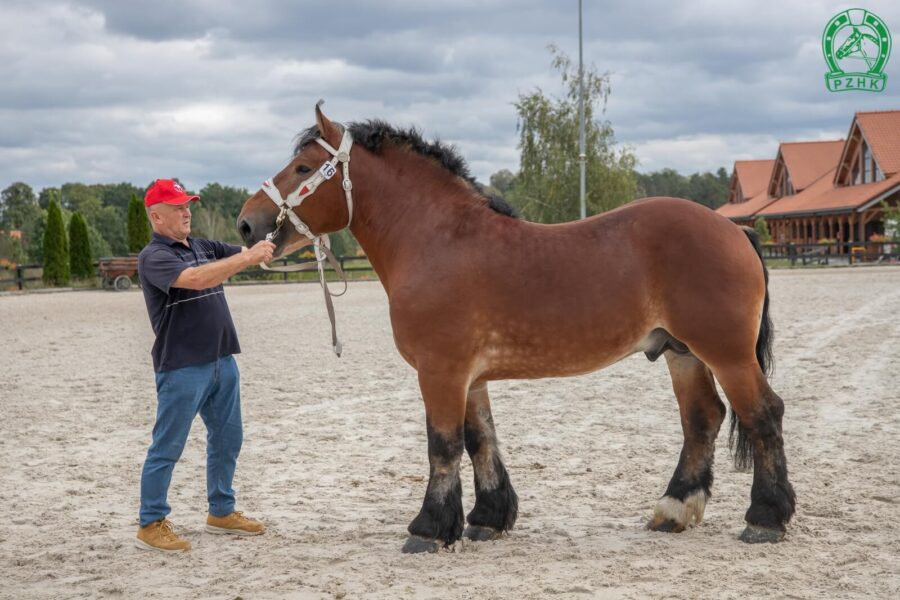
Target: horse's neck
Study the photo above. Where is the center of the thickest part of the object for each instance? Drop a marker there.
(401, 201)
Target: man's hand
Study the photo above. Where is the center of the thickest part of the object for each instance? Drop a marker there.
(261, 252)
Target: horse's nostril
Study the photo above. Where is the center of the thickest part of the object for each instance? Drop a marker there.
(246, 230)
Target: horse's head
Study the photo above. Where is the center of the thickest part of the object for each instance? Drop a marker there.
(850, 45)
(312, 186)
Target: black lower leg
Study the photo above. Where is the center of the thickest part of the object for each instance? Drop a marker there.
(441, 516)
(695, 464)
(496, 502)
(685, 481)
(772, 500)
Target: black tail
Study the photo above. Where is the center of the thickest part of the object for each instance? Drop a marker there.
(741, 448)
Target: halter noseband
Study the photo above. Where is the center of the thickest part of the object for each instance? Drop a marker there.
(321, 243)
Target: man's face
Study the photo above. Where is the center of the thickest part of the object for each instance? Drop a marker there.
(172, 220)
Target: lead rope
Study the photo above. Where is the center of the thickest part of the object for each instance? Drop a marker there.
(321, 243)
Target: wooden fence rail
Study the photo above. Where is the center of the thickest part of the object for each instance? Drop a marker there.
(21, 275)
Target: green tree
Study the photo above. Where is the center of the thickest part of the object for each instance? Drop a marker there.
(667, 182)
(208, 222)
(109, 221)
(11, 250)
(56, 251)
(344, 244)
(138, 225)
(117, 195)
(33, 241)
(762, 228)
(502, 181)
(709, 189)
(80, 258)
(47, 194)
(547, 185)
(80, 197)
(18, 207)
(891, 220)
(225, 199)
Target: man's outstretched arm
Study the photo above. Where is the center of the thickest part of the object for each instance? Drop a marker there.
(214, 273)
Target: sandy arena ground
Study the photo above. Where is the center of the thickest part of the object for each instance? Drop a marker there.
(335, 460)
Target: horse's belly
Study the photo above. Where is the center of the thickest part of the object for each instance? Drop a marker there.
(562, 360)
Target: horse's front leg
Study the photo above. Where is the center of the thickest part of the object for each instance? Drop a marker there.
(440, 521)
(496, 503)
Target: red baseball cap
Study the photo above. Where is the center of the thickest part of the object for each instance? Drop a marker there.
(168, 191)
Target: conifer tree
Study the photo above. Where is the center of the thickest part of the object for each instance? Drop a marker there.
(56, 250)
(82, 267)
(138, 225)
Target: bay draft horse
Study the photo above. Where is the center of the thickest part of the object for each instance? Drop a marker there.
(477, 294)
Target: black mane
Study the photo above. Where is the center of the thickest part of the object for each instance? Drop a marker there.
(374, 134)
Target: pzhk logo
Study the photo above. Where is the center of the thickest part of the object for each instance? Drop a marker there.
(857, 45)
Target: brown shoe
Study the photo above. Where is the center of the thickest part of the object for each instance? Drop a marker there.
(160, 535)
(235, 524)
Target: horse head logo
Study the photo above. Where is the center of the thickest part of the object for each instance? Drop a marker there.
(857, 45)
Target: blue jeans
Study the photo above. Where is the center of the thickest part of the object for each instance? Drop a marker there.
(213, 390)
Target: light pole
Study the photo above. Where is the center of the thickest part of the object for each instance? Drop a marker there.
(581, 155)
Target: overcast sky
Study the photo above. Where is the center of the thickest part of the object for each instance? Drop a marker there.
(212, 90)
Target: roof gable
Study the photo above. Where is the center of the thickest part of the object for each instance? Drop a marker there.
(804, 163)
(880, 131)
(752, 176)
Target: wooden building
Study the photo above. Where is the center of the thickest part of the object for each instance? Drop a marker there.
(821, 190)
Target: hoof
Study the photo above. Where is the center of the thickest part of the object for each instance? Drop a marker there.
(665, 525)
(754, 534)
(479, 533)
(417, 545)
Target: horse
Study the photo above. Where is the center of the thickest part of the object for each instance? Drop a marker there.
(478, 294)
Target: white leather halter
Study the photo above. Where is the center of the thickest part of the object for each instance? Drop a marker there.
(321, 243)
(308, 187)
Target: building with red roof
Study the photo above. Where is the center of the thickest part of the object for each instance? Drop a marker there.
(823, 189)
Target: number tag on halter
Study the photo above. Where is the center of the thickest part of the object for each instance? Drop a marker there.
(327, 170)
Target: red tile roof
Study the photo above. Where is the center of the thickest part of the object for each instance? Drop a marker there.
(753, 175)
(822, 196)
(882, 131)
(808, 161)
(746, 210)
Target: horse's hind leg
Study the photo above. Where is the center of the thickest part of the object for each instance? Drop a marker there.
(496, 503)
(440, 521)
(702, 413)
(759, 410)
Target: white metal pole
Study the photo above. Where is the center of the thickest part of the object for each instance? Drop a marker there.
(581, 155)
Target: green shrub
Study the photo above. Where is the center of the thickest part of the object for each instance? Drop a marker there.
(56, 250)
(762, 228)
(80, 256)
(138, 225)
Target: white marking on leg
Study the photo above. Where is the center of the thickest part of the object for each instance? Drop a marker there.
(483, 462)
(443, 479)
(686, 513)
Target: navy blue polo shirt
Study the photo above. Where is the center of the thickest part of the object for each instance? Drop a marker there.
(192, 327)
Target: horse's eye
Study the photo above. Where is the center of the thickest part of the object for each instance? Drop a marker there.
(303, 169)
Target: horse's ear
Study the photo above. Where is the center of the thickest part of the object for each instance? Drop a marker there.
(328, 130)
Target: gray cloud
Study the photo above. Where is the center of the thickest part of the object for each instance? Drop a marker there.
(103, 90)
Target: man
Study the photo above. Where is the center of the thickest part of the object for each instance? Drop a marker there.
(193, 358)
